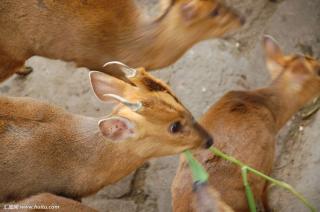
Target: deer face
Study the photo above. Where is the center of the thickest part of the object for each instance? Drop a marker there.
(207, 18)
(297, 74)
(150, 118)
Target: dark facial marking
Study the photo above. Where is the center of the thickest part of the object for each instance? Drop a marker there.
(153, 85)
(157, 87)
(153, 103)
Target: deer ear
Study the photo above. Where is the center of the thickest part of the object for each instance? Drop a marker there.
(190, 10)
(104, 84)
(117, 128)
(274, 56)
(299, 72)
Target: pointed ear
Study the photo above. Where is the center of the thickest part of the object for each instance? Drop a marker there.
(299, 72)
(273, 56)
(104, 84)
(117, 128)
(190, 10)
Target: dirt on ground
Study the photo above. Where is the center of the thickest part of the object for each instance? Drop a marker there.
(199, 78)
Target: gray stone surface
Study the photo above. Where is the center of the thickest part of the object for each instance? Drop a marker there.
(117, 190)
(111, 205)
(199, 78)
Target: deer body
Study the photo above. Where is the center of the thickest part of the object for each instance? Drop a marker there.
(49, 200)
(47, 149)
(244, 128)
(56, 154)
(245, 124)
(91, 33)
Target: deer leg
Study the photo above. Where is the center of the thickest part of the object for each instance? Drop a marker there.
(24, 70)
(8, 67)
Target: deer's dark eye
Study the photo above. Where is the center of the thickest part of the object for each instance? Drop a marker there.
(215, 12)
(175, 127)
(318, 71)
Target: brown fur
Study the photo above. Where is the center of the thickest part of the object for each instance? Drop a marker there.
(93, 32)
(46, 200)
(47, 149)
(245, 124)
(207, 199)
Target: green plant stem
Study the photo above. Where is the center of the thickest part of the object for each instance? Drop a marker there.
(249, 194)
(274, 181)
(199, 174)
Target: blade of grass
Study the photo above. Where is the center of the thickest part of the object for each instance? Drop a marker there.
(249, 194)
(199, 174)
(274, 181)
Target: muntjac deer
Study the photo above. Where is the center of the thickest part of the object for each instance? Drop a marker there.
(47, 149)
(93, 32)
(245, 124)
(48, 202)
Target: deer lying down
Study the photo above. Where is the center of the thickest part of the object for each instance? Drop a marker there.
(93, 32)
(245, 124)
(47, 149)
(49, 202)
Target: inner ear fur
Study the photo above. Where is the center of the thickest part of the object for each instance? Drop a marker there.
(116, 128)
(274, 56)
(105, 84)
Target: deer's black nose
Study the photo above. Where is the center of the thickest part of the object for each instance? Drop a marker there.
(207, 138)
(208, 142)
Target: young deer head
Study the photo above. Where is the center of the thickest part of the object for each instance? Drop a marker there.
(149, 116)
(297, 76)
(206, 18)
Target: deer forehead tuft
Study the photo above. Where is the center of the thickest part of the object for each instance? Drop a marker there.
(152, 85)
(157, 86)
(165, 110)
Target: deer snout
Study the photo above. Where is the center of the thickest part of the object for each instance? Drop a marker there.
(206, 137)
(208, 142)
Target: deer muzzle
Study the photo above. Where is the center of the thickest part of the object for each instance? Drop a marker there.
(207, 138)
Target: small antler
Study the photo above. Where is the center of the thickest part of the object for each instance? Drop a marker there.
(134, 106)
(129, 72)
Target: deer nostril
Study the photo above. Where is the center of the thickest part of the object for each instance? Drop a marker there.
(208, 142)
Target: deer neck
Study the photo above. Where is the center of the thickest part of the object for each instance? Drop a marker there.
(282, 104)
(157, 44)
(102, 162)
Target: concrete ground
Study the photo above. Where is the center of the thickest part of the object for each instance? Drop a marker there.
(199, 78)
